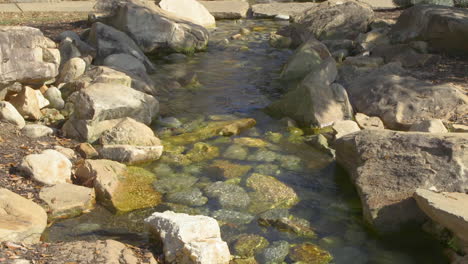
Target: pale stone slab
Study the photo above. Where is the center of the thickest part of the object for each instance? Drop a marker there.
(227, 9)
(69, 6)
(274, 9)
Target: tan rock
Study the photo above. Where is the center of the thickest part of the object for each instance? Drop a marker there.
(67, 200)
(366, 122)
(191, 10)
(49, 167)
(430, 126)
(27, 104)
(21, 220)
(87, 151)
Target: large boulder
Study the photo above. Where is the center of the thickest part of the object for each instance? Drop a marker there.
(49, 167)
(27, 56)
(401, 100)
(101, 106)
(447, 209)
(333, 20)
(108, 40)
(388, 166)
(444, 28)
(190, 10)
(118, 187)
(307, 58)
(21, 220)
(316, 101)
(189, 239)
(153, 28)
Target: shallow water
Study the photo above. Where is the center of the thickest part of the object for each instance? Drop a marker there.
(237, 80)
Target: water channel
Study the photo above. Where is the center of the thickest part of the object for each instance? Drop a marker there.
(237, 79)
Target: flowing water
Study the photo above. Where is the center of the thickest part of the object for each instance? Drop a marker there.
(237, 80)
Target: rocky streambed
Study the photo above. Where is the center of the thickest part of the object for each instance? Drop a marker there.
(268, 140)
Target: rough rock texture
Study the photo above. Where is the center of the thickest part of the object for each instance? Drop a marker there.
(54, 96)
(448, 209)
(190, 10)
(388, 166)
(153, 28)
(95, 110)
(368, 122)
(227, 9)
(316, 101)
(189, 239)
(444, 28)
(71, 70)
(9, 114)
(27, 56)
(345, 127)
(21, 220)
(37, 131)
(400, 100)
(108, 40)
(431, 126)
(130, 154)
(271, 10)
(333, 21)
(27, 103)
(96, 252)
(306, 59)
(119, 188)
(130, 132)
(49, 167)
(67, 200)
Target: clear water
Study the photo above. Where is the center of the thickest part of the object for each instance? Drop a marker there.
(239, 79)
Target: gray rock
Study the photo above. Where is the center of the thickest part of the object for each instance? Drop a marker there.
(190, 197)
(447, 209)
(96, 111)
(272, 10)
(275, 253)
(263, 155)
(37, 131)
(71, 70)
(68, 51)
(54, 96)
(9, 114)
(189, 239)
(431, 126)
(27, 56)
(171, 122)
(130, 154)
(232, 217)
(153, 28)
(306, 59)
(130, 132)
(267, 169)
(333, 20)
(23, 221)
(49, 167)
(108, 40)
(388, 166)
(451, 24)
(125, 62)
(364, 61)
(400, 100)
(174, 184)
(315, 101)
(229, 196)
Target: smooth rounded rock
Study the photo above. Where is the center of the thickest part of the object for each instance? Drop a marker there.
(49, 167)
(9, 114)
(37, 131)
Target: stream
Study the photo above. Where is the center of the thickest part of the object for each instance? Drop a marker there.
(237, 80)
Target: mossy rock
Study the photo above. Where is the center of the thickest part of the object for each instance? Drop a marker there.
(135, 191)
(212, 129)
(202, 151)
(310, 254)
(250, 260)
(224, 169)
(273, 137)
(248, 245)
(251, 142)
(269, 193)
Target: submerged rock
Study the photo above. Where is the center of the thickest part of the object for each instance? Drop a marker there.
(189, 239)
(310, 253)
(233, 217)
(202, 151)
(275, 253)
(21, 220)
(270, 193)
(236, 152)
(190, 197)
(247, 245)
(223, 169)
(174, 184)
(229, 196)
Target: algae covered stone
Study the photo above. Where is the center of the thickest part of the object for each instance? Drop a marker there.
(251, 142)
(237, 152)
(275, 253)
(310, 254)
(233, 217)
(270, 192)
(248, 245)
(202, 151)
(227, 170)
(190, 197)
